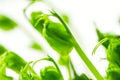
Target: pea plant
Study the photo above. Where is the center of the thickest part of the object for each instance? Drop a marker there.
(60, 38)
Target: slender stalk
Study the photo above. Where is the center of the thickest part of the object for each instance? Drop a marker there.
(56, 66)
(87, 62)
(24, 10)
(80, 51)
(31, 69)
(69, 72)
(74, 72)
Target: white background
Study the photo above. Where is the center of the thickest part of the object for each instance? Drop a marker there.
(82, 14)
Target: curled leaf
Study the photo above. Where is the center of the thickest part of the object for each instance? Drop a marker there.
(50, 73)
(13, 61)
(55, 33)
(102, 36)
(58, 38)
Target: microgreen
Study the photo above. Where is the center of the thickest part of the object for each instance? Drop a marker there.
(112, 44)
(14, 62)
(60, 38)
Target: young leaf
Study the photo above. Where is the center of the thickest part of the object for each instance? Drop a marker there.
(105, 35)
(50, 73)
(7, 23)
(3, 75)
(102, 36)
(113, 72)
(34, 17)
(2, 49)
(13, 61)
(113, 56)
(66, 18)
(58, 38)
(55, 33)
(113, 51)
(36, 46)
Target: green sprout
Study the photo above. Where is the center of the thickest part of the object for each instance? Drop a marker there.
(112, 45)
(59, 37)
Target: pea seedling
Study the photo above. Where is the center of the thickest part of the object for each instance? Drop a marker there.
(60, 39)
(111, 42)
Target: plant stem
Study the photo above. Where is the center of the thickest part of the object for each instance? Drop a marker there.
(80, 51)
(87, 62)
(24, 10)
(69, 72)
(56, 66)
(74, 72)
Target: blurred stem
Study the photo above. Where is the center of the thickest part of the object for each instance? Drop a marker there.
(55, 65)
(64, 60)
(80, 51)
(24, 10)
(31, 69)
(87, 62)
(69, 72)
(74, 72)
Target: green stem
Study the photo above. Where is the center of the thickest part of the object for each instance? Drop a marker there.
(27, 66)
(80, 51)
(87, 62)
(56, 66)
(69, 72)
(74, 72)
(24, 10)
